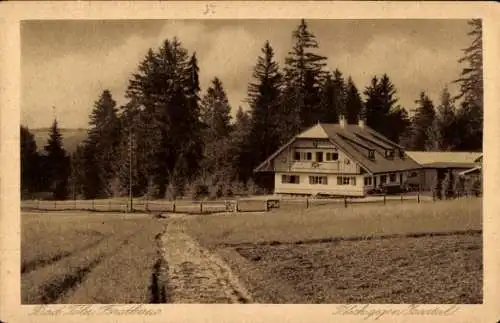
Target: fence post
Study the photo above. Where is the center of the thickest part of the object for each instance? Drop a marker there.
(307, 202)
(418, 197)
(55, 205)
(173, 207)
(384, 198)
(236, 207)
(201, 207)
(401, 197)
(345, 201)
(267, 205)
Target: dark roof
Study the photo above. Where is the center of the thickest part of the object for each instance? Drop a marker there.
(356, 141)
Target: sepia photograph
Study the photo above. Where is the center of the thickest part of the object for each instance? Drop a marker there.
(238, 161)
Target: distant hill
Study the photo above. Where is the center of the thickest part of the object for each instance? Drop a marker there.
(71, 137)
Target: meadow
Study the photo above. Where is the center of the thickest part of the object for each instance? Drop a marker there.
(77, 258)
(396, 253)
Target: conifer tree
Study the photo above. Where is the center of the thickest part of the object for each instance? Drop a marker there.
(328, 106)
(470, 114)
(264, 100)
(29, 161)
(101, 147)
(445, 122)
(56, 163)
(215, 116)
(422, 123)
(382, 110)
(354, 104)
(304, 71)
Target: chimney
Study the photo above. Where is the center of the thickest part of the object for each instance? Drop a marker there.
(341, 121)
(361, 123)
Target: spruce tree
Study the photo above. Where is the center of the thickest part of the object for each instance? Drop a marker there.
(304, 70)
(422, 123)
(29, 161)
(215, 116)
(328, 106)
(470, 114)
(446, 122)
(382, 110)
(101, 147)
(354, 104)
(165, 116)
(264, 100)
(56, 163)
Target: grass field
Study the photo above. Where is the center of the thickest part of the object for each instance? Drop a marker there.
(398, 253)
(77, 258)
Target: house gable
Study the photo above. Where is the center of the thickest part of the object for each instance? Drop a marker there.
(362, 150)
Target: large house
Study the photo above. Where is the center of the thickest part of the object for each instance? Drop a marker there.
(340, 160)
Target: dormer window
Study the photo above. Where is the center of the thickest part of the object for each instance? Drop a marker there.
(401, 154)
(389, 153)
(371, 154)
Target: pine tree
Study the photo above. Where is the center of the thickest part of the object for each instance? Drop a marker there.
(56, 163)
(304, 71)
(422, 123)
(354, 104)
(29, 161)
(264, 100)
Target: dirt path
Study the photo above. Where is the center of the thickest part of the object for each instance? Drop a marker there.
(196, 275)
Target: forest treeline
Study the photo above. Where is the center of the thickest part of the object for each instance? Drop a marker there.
(172, 139)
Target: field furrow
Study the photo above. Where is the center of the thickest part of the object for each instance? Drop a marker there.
(125, 276)
(48, 284)
(197, 276)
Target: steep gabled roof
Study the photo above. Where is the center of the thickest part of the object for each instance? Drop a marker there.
(356, 142)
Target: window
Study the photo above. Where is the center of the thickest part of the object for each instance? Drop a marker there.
(346, 180)
(313, 180)
(290, 179)
(368, 181)
(297, 155)
(319, 156)
(371, 154)
(392, 177)
(383, 179)
(309, 156)
(332, 156)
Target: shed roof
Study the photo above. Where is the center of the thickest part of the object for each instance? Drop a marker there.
(442, 159)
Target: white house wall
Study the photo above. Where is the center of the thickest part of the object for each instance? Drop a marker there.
(304, 187)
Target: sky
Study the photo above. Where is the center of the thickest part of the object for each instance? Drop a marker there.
(67, 64)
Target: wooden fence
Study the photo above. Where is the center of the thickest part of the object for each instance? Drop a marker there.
(257, 204)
